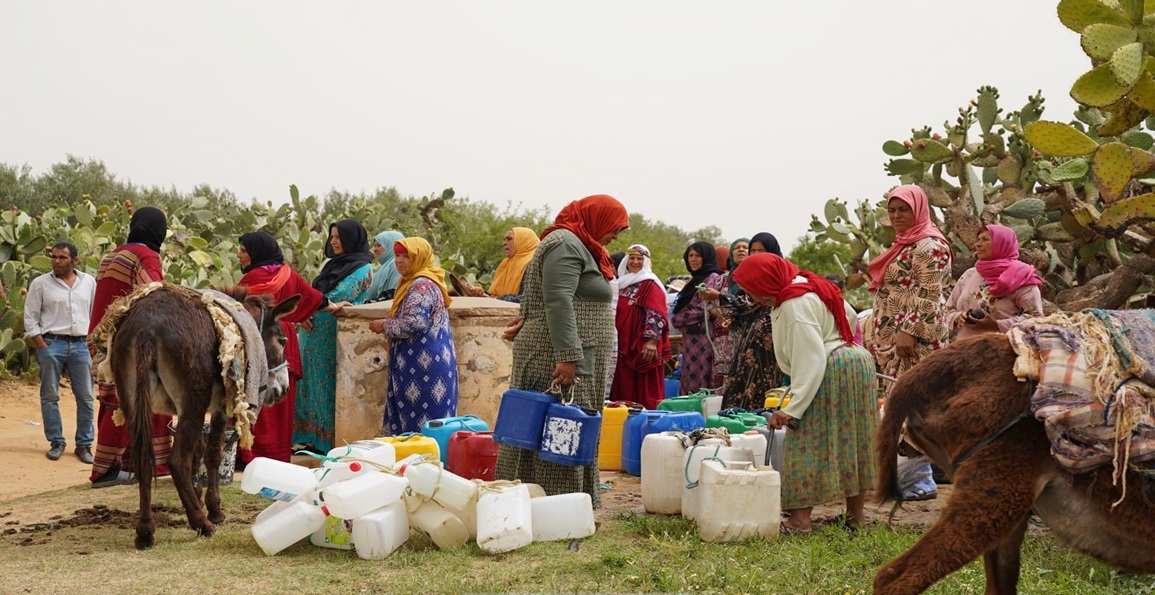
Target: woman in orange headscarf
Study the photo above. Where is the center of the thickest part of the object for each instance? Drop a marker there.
(519, 244)
(422, 360)
(566, 330)
(833, 413)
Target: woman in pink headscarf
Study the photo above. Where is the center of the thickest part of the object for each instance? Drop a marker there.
(1001, 287)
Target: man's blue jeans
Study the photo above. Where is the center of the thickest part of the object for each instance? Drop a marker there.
(73, 356)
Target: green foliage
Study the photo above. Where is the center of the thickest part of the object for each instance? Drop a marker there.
(826, 258)
(666, 242)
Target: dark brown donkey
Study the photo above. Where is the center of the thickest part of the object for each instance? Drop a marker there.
(165, 360)
(967, 411)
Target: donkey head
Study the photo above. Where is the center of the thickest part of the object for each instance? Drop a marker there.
(267, 314)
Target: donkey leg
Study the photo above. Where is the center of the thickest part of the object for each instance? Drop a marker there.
(182, 465)
(985, 509)
(1002, 562)
(214, 452)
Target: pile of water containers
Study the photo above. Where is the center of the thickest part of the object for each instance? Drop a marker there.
(362, 498)
(729, 485)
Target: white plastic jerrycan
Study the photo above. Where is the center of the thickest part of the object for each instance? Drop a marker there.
(430, 479)
(439, 524)
(504, 519)
(370, 452)
(738, 501)
(287, 526)
(662, 476)
(352, 498)
(277, 479)
(335, 533)
(691, 468)
(378, 533)
(562, 516)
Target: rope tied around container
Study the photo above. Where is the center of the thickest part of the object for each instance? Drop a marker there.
(690, 457)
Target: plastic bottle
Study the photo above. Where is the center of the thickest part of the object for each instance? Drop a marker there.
(562, 516)
(287, 526)
(335, 533)
(352, 498)
(379, 533)
(277, 479)
(431, 480)
(439, 524)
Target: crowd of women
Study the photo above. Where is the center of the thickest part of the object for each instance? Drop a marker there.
(748, 324)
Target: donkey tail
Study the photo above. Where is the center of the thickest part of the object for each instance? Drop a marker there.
(140, 425)
(886, 445)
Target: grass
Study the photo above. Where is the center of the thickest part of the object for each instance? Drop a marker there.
(48, 548)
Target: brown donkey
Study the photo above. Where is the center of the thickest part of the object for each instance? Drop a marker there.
(967, 411)
(165, 360)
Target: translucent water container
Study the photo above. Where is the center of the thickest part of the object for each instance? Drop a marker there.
(287, 526)
(755, 441)
(352, 498)
(439, 524)
(406, 445)
(277, 479)
(711, 405)
(335, 533)
(738, 501)
(331, 472)
(373, 453)
(468, 517)
(691, 468)
(563, 516)
(378, 533)
(662, 476)
(504, 519)
(431, 480)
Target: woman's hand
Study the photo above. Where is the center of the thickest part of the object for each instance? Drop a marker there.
(512, 328)
(475, 291)
(377, 326)
(904, 344)
(307, 324)
(335, 307)
(709, 295)
(564, 373)
(779, 420)
(650, 350)
(986, 324)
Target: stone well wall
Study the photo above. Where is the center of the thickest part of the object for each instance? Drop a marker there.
(483, 364)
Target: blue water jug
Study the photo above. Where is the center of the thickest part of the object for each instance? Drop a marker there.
(673, 387)
(520, 418)
(570, 435)
(632, 440)
(442, 429)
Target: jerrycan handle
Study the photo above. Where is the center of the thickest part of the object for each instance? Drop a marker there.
(634, 405)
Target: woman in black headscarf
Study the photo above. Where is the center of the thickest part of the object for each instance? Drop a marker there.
(690, 317)
(344, 278)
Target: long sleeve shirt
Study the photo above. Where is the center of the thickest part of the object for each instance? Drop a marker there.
(971, 291)
(805, 334)
(52, 307)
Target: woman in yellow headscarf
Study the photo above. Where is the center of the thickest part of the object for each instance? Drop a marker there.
(422, 361)
(519, 244)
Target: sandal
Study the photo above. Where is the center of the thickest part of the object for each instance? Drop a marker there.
(784, 529)
(918, 494)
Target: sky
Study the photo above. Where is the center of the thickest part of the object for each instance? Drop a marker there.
(746, 115)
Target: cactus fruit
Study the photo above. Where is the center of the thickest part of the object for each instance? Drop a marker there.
(1059, 140)
(1111, 168)
(1101, 40)
(1027, 208)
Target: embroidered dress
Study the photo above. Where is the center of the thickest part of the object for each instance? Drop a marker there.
(422, 361)
(911, 299)
(314, 418)
(641, 317)
(697, 351)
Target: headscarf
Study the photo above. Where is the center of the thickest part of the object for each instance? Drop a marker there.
(591, 218)
(148, 226)
(386, 275)
(626, 278)
(768, 241)
(923, 227)
(355, 243)
(1004, 272)
(262, 248)
(722, 255)
(421, 254)
(733, 288)
(507, 278)
(771, 275)
(709, 267)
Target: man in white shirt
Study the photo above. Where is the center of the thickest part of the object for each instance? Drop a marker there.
(56, 316)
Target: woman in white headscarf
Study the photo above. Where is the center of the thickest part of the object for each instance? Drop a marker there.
(643, 331)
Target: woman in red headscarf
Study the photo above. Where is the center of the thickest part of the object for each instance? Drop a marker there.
(998, 291)
(833, 410)
(566, 330)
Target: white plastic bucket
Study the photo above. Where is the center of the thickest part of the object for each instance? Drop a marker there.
(378, 533)
(287, 526)
(352, 498)
(431, 480)
(335, 533)
(662, 477)
(439, 525)
(563, 516)
(277, 479)
(504, 519)
(692, 464)
(738, 501)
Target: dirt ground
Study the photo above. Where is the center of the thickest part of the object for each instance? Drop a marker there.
(24, 470)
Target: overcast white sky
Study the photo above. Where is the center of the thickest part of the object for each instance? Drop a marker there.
(745, 115)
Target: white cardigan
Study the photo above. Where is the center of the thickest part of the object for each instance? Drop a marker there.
(805, 334)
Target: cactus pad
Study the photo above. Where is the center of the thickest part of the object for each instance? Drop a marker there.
(1097, 87)
(1122, 214)
(930, 151)
(1127, 64)
(1143, 162)
(1009, 169)
(987, 108)
(902, 167)
(1058, 139)
(1143, 93)
(894, 148)
(1069, 171)
(1027, 208)
(1076, 15)
(1024, 233)
(1053, 232)
(1100, 40)
(1124, 116)
(1138, 139)
(1111, 168)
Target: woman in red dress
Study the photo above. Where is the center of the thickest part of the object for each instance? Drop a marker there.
(643, 332)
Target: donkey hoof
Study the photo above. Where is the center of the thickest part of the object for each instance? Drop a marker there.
(207, 530)
(217, 517)
(144, 541)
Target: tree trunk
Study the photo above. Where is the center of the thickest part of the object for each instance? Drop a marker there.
(1108, 291)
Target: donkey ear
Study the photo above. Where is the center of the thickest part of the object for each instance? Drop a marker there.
(286, 307)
